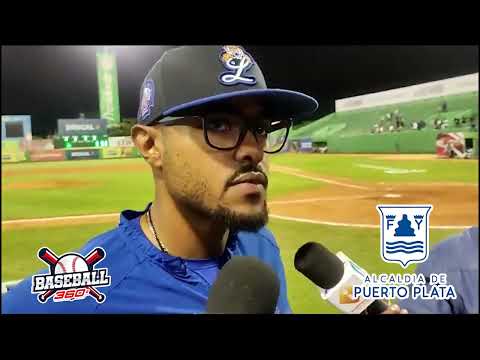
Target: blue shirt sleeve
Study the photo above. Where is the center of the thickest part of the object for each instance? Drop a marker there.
(424, 306)
(457, 257)
(283, 307)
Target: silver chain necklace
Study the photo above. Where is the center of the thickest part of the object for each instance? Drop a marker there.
(152, 229)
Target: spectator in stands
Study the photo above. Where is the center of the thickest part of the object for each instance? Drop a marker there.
(381, 126)
(444, 106)
(399, 122)
(472, 123)
(398, 116)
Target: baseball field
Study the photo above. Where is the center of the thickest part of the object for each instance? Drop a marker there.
(330, 199)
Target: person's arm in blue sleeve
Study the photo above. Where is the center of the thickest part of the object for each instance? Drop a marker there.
(457, 257)
(424, 306)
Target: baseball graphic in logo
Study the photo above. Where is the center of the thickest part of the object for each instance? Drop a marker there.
(70, 264)
(237, 61)
(72, 277)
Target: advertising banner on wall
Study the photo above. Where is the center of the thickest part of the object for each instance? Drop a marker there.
(12, 152)
(82, 154)
(48, 155)
(120, 141)
(43, 145)
(118, 152)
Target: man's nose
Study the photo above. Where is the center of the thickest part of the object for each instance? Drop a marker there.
(250, 149)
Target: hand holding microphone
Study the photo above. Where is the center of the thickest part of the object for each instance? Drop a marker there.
(335, 275)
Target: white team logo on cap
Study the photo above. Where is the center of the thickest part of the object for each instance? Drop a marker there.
(238, 62)
(147, 101)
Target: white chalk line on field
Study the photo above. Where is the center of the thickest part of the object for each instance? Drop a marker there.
(369, 226)
(59, 218)
(316, 178)
(281, 217)
(279, 202)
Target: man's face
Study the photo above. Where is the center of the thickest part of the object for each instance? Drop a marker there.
(228, 186)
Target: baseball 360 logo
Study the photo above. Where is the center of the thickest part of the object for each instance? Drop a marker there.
(72, 276)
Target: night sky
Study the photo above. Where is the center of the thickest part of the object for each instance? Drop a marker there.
(51, 82)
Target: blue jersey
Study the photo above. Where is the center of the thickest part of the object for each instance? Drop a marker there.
(458, 258)
(147, 280)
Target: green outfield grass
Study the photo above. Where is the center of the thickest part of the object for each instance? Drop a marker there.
(20, 247)
(99, 192)
(353, 167)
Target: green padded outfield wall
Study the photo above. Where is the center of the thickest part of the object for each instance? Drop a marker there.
(414, 142)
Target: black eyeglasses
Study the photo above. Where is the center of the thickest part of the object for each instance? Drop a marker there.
(227, 131)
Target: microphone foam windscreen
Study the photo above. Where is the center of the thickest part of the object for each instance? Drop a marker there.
(245, 285)
(318, 264)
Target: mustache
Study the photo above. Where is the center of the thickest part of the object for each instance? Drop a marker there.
(246, 168)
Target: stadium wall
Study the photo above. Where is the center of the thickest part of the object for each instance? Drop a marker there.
(44, 150)
(412, 142)
(415, 142)
(451, 86)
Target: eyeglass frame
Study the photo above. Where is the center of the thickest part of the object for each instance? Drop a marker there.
(170, 121)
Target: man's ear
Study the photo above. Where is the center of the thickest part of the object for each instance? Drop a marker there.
(147, 139)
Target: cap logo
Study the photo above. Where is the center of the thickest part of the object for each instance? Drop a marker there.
(238, 62)
(147, 101)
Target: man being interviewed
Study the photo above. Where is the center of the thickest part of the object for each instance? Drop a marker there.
(205, 121)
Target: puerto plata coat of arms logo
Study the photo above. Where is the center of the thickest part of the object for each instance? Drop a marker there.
(404, 233)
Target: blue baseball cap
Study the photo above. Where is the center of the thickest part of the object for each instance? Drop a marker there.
(191, 80)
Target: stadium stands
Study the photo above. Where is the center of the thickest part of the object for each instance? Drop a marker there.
(361, 122)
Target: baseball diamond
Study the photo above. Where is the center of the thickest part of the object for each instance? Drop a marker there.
(301, 209)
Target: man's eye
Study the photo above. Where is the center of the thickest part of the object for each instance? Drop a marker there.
(219, 125)
(260, 130)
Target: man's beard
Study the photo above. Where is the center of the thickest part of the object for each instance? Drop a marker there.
(237, 221)
(191, 198)
(225, 216)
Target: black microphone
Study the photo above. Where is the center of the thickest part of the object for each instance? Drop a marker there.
(328, 271)
(245, 285)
